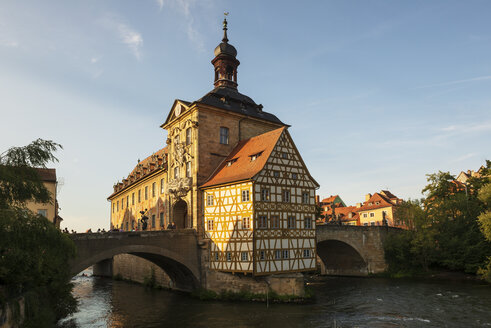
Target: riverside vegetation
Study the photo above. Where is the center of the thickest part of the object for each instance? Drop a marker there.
(34, 254)
(449, 229)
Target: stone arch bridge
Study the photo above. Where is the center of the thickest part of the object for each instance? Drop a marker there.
(352, 250)
(174, 251)
(342, 250)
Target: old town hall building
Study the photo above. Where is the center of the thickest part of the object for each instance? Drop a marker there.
(231, 171)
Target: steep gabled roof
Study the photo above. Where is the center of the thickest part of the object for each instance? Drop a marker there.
(344, 212)
(239, 165)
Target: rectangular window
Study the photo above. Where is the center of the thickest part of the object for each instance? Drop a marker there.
(275, 222)
(188, 136)
(285, 196)
(276, 174)
(122, 203)
(128, 201)
(117, 206)
(161, 219)
(43, 213)
(161, 186)
(305, 198)
(176, 172)
(372, 215)
(365, 215)
(210, 225)
(154, 189)
(133, 199)
(284, 155)
(307, 223)
(209, 200)
(294, 176)
(262, 255)
(372, 223)
(246, 223)
(224, 135)
(245, 195)
(265, 195)
(291, 222)
(229, 256)
(306, 253)
(153, 221)
(114, 207)
(146, 192)
(216, 256)
(243, 256)
(277, 254)
(262, 222)
(365, 224)
(139, 196)
(285, 254)
(127, 229)
(188, 169)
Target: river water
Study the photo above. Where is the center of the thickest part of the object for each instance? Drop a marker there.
(339, 302)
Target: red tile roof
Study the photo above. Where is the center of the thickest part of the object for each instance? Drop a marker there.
(242, 167)
(376, 198)
(47, 175)
(329, 199)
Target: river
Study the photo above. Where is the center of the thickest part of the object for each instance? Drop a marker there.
(339, 302)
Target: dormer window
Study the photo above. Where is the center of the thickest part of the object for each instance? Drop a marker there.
(232, 161)
(255, 156)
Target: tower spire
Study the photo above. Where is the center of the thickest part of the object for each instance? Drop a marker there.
(225, 39)
(225, 61)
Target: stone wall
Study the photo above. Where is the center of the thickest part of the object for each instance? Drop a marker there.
(134, 268)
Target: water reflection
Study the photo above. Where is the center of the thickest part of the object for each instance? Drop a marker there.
(340, 302)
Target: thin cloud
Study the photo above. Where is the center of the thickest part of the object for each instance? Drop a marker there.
(185, 8)
(479, 78)
(127, 34)
(131, 38)
(464, 157)
(463, 128)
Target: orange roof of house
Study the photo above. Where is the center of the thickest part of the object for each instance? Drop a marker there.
(377, 197)
(343, 212)
(329, 199)
(242, 167)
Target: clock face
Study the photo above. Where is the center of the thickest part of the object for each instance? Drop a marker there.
(177, 111)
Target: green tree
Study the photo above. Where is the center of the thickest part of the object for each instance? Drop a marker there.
(485, 224)
(34, 254)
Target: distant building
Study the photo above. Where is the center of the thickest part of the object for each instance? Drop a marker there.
(328, 205)
(346, 215)
(464, 176)
(48, 210)
(378, 209)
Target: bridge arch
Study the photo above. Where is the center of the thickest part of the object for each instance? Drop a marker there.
(182, 267)
(342, 258)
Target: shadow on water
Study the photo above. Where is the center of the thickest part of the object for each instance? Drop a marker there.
(340, 302)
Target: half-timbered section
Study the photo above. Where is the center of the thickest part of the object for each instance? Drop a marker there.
(229, 224)
(259, 208)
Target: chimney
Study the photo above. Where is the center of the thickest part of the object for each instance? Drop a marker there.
(317, 199)
(367, 197)
(358, 205)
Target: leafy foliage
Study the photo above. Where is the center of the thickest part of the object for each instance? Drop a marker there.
(19, 181)
(444, 230)
(34, 254)
(485, 224)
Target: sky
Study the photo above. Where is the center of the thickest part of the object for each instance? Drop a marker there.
(378, 93)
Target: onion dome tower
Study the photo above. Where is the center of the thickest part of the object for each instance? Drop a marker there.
(225, 62)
